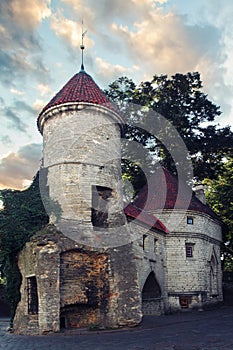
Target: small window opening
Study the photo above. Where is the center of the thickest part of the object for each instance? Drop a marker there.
(32, 295)
(155, 244)
(62, 322)
(184, 302)
(100, 199)
(189, 250)
(189, 220)
(144, 242)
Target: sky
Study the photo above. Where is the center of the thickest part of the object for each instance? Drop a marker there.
(40, 51)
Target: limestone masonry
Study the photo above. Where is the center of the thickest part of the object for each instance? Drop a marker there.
(98, 263)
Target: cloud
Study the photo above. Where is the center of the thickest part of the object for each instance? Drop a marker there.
(17, 92)
(19, 41)
(105, 69)
(20, 105)
(14, 119)
(44, 89)
(38, 105)
(163, 43)
(23, 14)
(19, 168)
(5, 139)
(69, 31)
(15, 114)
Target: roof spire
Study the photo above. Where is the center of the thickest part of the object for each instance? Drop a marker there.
(82, 47)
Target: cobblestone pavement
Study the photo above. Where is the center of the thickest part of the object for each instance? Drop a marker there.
(207, 330)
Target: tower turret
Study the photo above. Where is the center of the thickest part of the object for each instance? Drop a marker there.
(81, 132)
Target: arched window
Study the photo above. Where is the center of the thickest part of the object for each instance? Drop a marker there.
(151, 288)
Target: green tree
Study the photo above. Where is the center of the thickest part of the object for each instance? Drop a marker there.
(220, 197)
(180, 100)
(23, 214)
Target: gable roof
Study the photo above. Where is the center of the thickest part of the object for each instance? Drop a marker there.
(165, 191)
(133, 212)
(80, 88)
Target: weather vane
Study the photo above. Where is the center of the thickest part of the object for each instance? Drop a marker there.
(82, 47)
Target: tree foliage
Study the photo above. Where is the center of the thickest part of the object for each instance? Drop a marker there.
(180, 100)
(220, 197)
(23, 214)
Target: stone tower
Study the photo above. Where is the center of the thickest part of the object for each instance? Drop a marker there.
(81, 133)
(81, 270)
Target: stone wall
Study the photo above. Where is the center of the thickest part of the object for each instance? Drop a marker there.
(84, 288)
(150, 254)
(77, 286)
(194, 280)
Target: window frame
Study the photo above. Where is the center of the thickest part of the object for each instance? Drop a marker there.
(189, 250)
(32, 295)
(190, 220)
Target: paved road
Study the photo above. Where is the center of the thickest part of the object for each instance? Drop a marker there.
(207, 330)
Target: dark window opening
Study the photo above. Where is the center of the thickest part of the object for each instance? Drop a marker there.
(189, 220)
(151, 288)
(155, 244)
(189, 250)
(144, 239)
(62, 322)
(32, 295)
(184, 302)
(100, 199)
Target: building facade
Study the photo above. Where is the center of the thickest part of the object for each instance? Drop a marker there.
(100, 263)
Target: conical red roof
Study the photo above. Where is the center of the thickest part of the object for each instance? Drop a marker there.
(80, 88)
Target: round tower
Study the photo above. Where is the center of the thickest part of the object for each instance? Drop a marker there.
(81, 132)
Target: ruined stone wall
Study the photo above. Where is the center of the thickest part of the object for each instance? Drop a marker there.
(77, 286)
(39, 259)
(84, 288)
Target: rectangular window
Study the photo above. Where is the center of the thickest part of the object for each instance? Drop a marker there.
(189, 250)
(184, 302)
(189, 220)
(100, 199)
(32, 295)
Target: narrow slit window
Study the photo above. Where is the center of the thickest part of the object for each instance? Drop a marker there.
(32, 295)
(100, 202)
(144, 242)
(155, 244)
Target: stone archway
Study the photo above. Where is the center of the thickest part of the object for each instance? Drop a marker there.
(213, 276)
(151, 296)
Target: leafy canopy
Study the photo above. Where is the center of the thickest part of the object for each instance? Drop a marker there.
(23, 214)
(180, 100)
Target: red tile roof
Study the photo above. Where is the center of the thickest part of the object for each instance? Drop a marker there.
(80, 88)
(133, 212)
(162, 193)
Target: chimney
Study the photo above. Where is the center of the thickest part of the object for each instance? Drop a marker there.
(200, 193)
